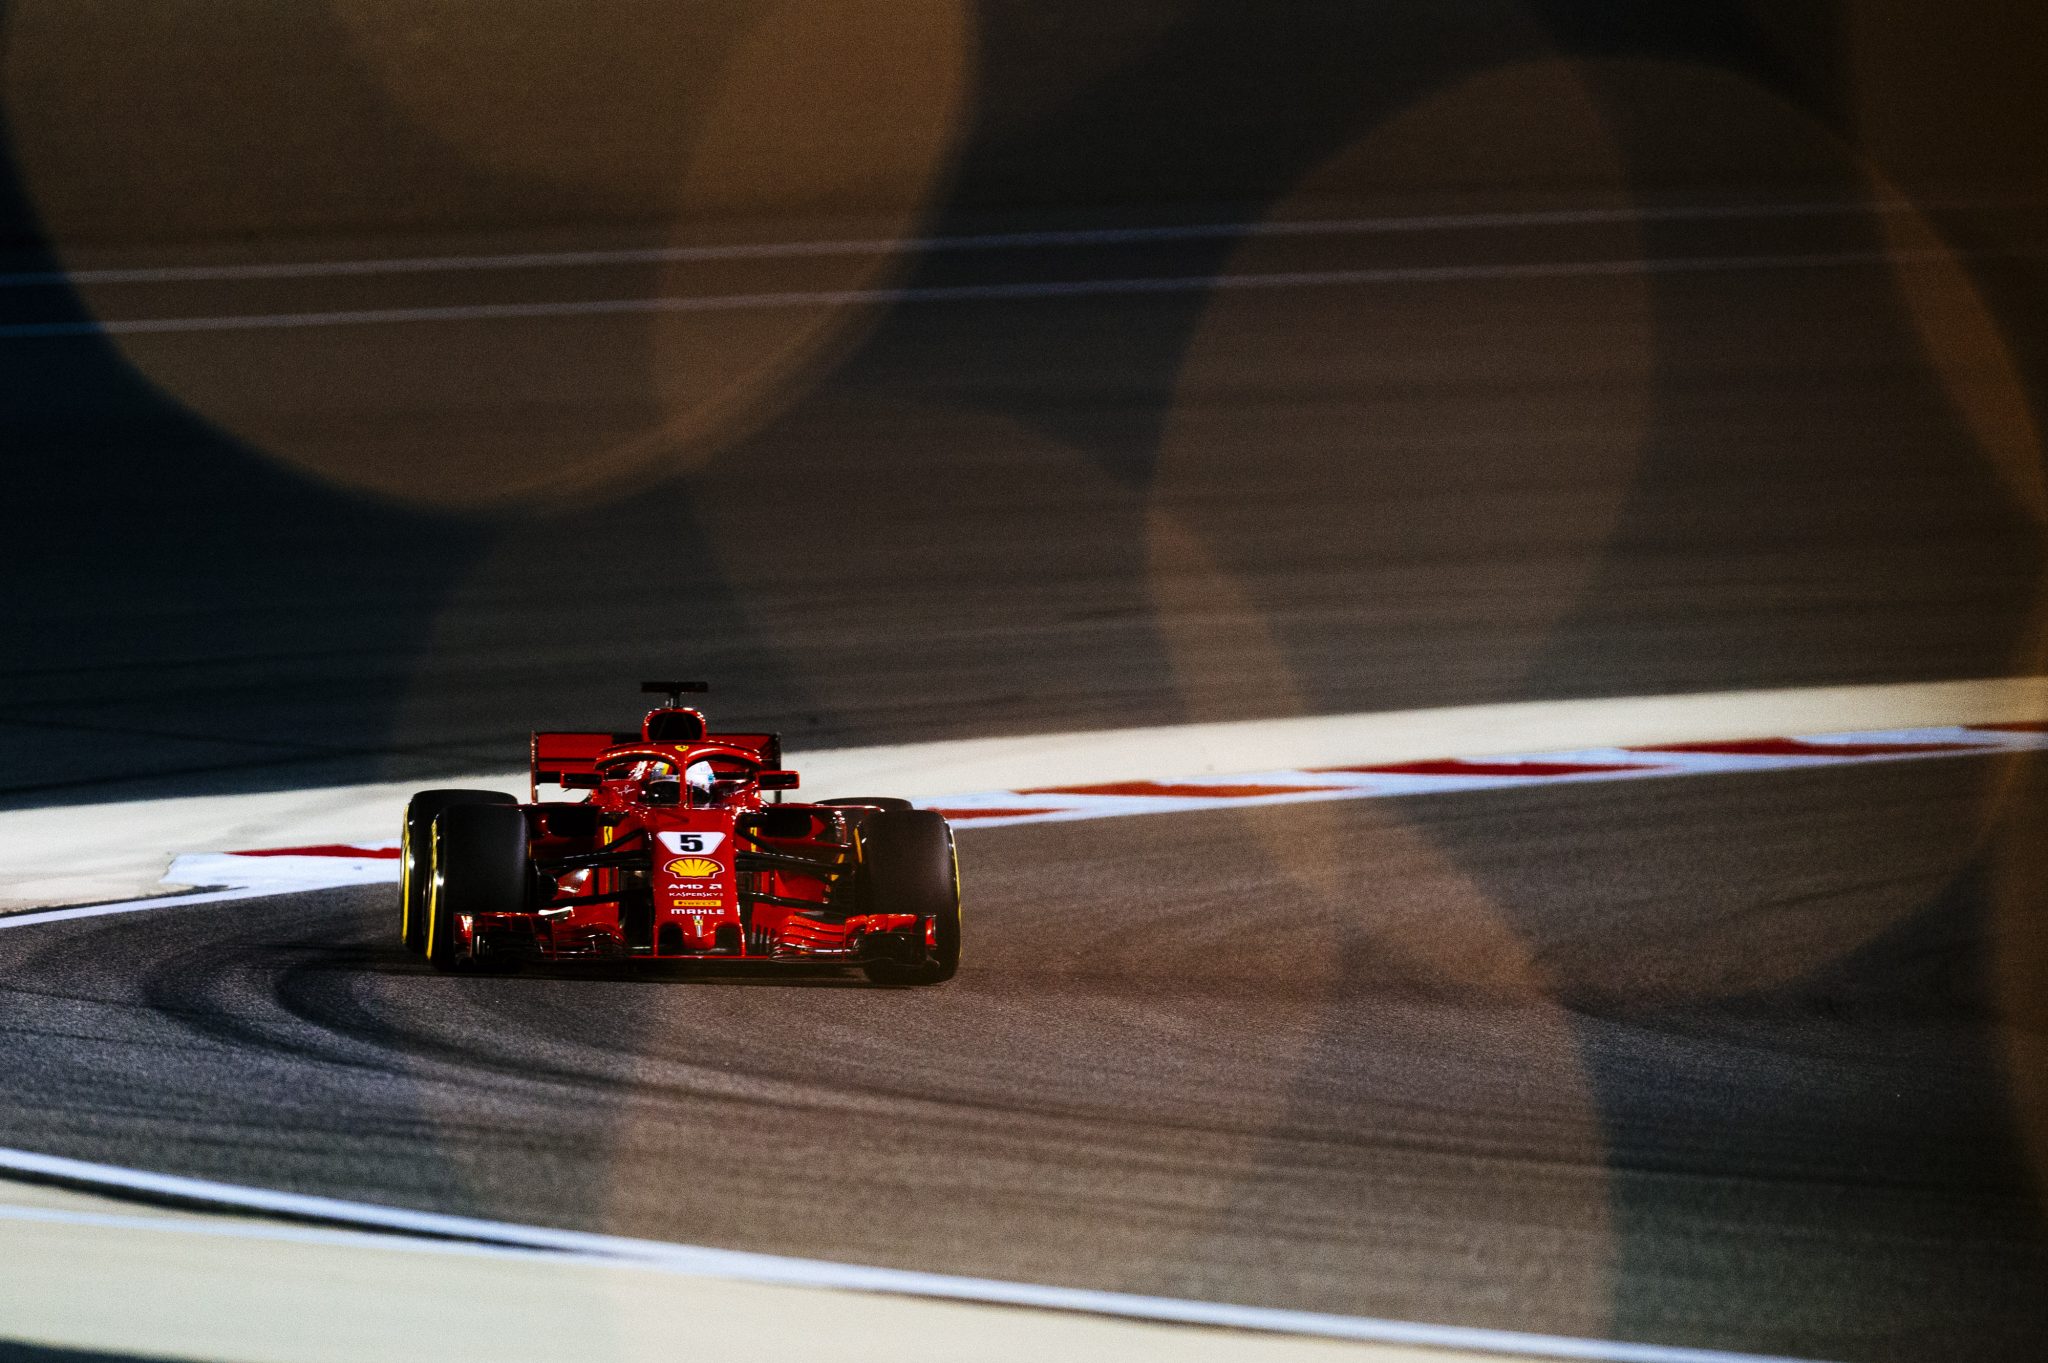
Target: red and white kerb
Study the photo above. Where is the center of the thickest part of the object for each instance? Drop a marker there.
(1041, 804)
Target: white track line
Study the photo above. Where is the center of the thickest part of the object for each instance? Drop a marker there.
(743, 1266)
(259, 1230)
(983, 293)
(966, 242)
(170, 901)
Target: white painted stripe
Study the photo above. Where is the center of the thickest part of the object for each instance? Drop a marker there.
(264, 1230)
(966, 293)
(966, 242)
(744, 1266)
(285, 872)
(170, 901)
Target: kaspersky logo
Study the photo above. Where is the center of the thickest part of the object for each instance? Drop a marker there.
(693, 868)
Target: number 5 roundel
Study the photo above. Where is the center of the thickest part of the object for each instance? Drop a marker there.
(691, 842)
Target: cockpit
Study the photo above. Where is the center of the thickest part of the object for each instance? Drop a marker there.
(663, 781)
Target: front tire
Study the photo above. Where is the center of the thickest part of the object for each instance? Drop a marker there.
(414, 856)
(481, 864)
(909, 865)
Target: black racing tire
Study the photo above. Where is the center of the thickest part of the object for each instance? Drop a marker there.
(414, 842)
(909, 865)
(481, 864)
(889, 802)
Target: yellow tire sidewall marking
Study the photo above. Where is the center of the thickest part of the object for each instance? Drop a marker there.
(405, 875)
(434, 897)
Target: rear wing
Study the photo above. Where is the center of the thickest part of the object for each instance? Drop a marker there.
(555, 755)
(768, 746)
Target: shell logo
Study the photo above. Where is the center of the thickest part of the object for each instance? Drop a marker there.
(697, 867)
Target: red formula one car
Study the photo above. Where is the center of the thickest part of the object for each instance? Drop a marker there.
(671, 843)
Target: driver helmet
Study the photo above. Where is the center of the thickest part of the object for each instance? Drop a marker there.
(699, 777)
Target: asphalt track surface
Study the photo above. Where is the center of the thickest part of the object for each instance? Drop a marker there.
(1718, 1062)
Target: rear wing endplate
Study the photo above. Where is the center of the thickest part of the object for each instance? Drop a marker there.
(554, 755)
(769, 746)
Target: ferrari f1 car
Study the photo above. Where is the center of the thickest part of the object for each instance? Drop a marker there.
(671, 843)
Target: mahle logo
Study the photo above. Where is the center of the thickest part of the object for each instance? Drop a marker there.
(694, 867)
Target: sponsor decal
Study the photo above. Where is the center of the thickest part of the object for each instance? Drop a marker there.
(679, 903)
(695, 867)
(690, 843)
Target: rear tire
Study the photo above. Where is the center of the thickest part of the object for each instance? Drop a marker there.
(414, 848)
(908, 865)
(481, 864)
